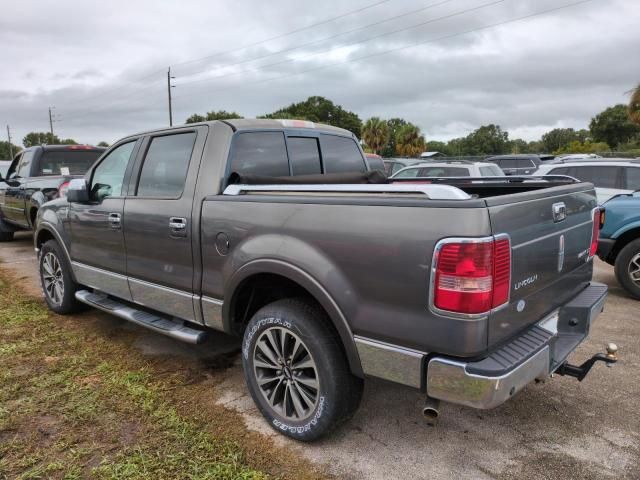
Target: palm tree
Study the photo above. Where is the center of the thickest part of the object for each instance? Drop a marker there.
(634, 105)
(375, 134)
(409, 141)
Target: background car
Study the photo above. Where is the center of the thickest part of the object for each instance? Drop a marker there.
(610, 177)
(375, 162)
(393, 165)
(619, 240)
(452, 168)
(4, 167)
(524, 164)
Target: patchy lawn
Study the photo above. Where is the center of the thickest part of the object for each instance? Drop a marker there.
(77, 401)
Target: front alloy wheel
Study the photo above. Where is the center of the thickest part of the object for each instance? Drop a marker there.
(52, 279)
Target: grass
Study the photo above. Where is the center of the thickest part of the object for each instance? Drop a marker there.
(77, 401)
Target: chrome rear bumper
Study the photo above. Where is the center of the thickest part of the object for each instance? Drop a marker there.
(535, 354)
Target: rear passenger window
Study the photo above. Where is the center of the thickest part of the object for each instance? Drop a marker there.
(165, 166)
(443, 172)
(260, 153)
(601, 176)
(304, 155)
(633, 178)
(341, 154)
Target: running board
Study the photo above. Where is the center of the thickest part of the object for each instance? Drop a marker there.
(163, 325)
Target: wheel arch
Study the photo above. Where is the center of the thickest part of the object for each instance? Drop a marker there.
(46, 232)
(284, 281)
(622, 240)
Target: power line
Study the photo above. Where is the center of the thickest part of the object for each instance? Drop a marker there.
(282, 35)
(375, 37)
(321, 40)
(416, 44)
(253, 44)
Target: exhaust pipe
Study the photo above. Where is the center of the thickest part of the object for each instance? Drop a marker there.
(431, 410)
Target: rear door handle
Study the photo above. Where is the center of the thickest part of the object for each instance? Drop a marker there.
(178, 226)
(115, 220)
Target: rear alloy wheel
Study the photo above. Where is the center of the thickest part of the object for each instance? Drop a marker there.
(296, 370)
(287, 374)
(57, 283)
(627, 268)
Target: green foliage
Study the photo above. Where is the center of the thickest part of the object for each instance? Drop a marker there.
(394, 124)
(634, 105)
(409, 141)
(68, 141)
(376, 134)
(487, 140)
(213, 115)
(583, 147)
(103, 144)
(613, 126)
(321, 110)
(435, 146)
(32, 139)
(5, 154)
(558, 138)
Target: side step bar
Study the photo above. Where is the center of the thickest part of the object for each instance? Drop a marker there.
(163, 325)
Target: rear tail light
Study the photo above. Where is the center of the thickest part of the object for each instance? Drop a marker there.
(472, 276)
(595, 232)
(62, 190)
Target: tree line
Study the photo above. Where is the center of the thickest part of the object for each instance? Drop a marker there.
(32, 139)
(616, 128)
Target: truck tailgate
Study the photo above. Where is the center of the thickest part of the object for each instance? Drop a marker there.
(549, 254)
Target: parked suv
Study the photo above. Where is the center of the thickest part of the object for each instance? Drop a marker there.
(619, 243)
(516, 164)
(450, 168)
(37, 175)
(610, 176)
(257, 228)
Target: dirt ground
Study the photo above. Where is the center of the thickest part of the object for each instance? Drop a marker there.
(557, 429)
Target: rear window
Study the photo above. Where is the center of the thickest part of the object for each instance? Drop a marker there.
(341, 154)
(304, 155)
(408, 173)
(71, 162)
(515, 162)
(603, 176)
(633, 178)
(260, 153)
(491, 171)
(444, 172)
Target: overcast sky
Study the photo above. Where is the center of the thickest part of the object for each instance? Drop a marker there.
(444, 65)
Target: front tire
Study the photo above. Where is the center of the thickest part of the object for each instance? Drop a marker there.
(6, 236)
(296, 370)
(56, 280)
(627, 268)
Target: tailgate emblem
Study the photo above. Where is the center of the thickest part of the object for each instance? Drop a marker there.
(561, 254)
(559, 211)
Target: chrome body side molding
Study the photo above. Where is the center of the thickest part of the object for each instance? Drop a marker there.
(164, 299)
(212, 313)
(390, 362)
(112, 283)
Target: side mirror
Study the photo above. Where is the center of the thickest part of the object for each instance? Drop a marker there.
(78, 191)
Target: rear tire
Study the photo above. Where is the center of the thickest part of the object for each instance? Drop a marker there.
(627, 268)
(296, 370)
(56, 280)
(6, 236)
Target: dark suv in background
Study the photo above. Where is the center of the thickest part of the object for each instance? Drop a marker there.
(516, 164)
(35, 176)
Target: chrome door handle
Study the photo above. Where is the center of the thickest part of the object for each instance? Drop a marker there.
(115, 220)
(177, 223)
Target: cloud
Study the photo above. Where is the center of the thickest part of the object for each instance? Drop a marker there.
(105, 71)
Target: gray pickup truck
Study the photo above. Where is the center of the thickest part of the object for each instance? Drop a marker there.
(467, 292)
(35, 176)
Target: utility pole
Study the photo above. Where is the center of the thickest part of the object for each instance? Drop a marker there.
(10, 147)
(51, 125)
(169, 87)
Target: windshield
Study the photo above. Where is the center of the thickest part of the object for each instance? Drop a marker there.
(67, 162)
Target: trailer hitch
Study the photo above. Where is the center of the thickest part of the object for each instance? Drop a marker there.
(581, 371)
